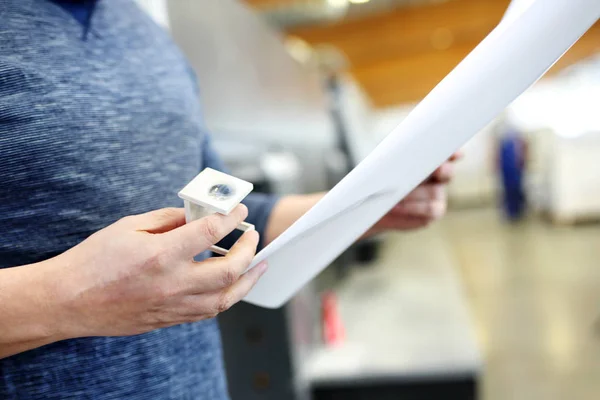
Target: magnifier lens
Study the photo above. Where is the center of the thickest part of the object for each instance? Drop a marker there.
(221, 191)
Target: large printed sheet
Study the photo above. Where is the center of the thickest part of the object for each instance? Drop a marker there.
(531, 38)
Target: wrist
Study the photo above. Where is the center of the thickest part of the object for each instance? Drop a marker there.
(30, 314)
(54, 302)
(287, 211)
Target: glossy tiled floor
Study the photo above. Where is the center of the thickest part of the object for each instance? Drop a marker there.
(534, 294)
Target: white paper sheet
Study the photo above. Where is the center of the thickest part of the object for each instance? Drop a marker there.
(515, 55)
(515, 8)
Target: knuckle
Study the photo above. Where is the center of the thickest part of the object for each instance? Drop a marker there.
(224, 302)
(210, 229)
(126, 220)
(228, 276)
(162, 293)
(158, 259)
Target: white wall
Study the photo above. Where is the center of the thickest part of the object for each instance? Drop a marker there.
(358, 115)
(157, 9)
(252, 89)
(562, 121)
(253, 92)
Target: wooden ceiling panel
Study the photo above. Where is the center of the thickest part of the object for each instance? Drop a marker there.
(408, 79)
(400, 56)
(268, 3)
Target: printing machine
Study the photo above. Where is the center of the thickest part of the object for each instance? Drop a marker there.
(275, 123)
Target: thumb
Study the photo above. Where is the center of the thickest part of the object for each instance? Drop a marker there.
(158, 221)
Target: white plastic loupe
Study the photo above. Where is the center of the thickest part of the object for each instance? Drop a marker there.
(211, 192)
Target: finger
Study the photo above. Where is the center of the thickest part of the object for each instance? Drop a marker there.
(443, 174)
(157, 221)
(390, 222)
(457, 155)
(221, 272)
(414, 223)
(197, 236)
(409, 223)
(208, 305)
(242, 252)
(424, 192)
(228, 297)
(425, 209)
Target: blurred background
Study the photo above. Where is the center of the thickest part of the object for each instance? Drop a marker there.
(499, 300)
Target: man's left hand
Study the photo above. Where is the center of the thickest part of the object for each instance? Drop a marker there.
(424, 205)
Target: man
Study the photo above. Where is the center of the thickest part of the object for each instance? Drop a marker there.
(99, 295)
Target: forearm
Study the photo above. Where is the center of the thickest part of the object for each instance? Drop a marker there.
(287, 210)
(29, 316)
(290, 208)
(424, 204)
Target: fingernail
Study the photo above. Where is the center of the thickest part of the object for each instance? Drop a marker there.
(243, 208)
(262, 267)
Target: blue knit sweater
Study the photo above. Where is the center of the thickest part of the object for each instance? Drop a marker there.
(98, 122)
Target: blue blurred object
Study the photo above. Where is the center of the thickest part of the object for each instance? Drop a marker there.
(512, 166)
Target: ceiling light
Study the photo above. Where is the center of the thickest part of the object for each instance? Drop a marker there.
(337, 3)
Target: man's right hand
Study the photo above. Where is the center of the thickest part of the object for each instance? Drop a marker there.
(138, 274)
